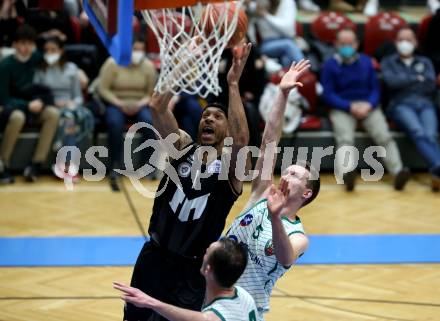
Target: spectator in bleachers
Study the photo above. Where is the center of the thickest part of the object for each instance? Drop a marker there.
(24, 101)
(10, 13)
(90, 37)
(72, 7)
(351, 90)
(308, 5)
(126, 92)
(371, 7)
(51, 23)
(62, 78)
(411, 83)
(275, 25)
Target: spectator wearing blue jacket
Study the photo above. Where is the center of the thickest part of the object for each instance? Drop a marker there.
(351, 90)
(411, 83)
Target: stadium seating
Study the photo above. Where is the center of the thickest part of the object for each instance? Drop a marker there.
(327, 24)
(380, 29)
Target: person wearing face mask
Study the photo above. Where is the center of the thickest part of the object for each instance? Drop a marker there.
(22, 102)
(351, 90)
(62, 78)
(411, 81)
(127, 92)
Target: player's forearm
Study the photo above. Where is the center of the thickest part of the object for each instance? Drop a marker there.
(269, 142)
(165, 123)
(238, 126)
(281, 243)
(272, 130)
(174, 313)
(163, 118)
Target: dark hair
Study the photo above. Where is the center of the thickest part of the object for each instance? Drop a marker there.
(220, 106)
(25, 33)
(313, 182)
(228, 262)
(57, 41)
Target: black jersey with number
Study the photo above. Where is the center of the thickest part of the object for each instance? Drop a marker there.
(187, 220)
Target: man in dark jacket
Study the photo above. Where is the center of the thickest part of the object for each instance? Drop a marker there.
(411, 84)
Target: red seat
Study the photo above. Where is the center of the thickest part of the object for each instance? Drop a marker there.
(76, 28)
(50, 5)
(299, 29)
(327, 24)
(422, 29)
(136, 26)
(308, 91)
(381, 28)
(309, 122)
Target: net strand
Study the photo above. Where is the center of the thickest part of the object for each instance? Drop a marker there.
(190, 58)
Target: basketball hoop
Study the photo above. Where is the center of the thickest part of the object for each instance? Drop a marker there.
(191, 38)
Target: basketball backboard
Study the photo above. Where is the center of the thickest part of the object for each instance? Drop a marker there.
(112, 20)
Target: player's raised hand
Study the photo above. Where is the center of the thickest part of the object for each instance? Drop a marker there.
(159, 101)
(240, 54)
(134, 296)
(276, 200)
(290, 78)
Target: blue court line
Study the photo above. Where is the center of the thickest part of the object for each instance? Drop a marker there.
(121, 251)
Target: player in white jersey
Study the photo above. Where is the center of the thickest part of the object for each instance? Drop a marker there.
(270, 227)
(223, 263)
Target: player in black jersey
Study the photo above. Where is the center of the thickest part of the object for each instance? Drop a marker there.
(189, 216)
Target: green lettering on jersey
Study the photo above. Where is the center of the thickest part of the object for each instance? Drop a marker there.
(257, 231)
(252, 316)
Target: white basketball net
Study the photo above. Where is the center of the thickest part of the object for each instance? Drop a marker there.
(189, 57)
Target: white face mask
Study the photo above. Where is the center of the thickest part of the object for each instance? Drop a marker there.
(405, 47)
(137, 56)
(52, 58)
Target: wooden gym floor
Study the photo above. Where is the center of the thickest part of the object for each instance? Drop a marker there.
(306, 292)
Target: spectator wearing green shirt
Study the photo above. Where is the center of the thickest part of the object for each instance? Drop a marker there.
(24, 102)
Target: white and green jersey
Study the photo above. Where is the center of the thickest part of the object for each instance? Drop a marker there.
(254, 229)
(240, 307)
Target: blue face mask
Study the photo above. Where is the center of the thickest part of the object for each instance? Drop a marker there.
(346, 51)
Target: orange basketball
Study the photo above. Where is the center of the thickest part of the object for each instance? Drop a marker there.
(217, 11)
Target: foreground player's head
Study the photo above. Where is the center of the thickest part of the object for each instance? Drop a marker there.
(213, 126)
(224, 262)
(303, 182)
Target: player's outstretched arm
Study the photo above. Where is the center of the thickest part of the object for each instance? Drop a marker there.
(272, 131)
(164, 120)
(238, 126)
(170, 312)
